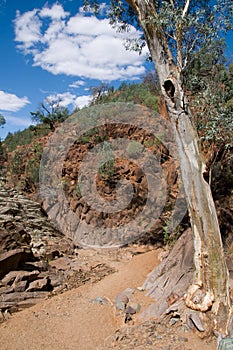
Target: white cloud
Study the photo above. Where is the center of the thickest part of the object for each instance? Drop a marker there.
(77, 84)
(82, 101)
(27, 29)
(79, 45)
(11, 102)
(66, 99)
(55, 12)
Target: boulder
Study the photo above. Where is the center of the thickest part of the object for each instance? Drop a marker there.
(39, 285)
(11, 260)
(169, 281)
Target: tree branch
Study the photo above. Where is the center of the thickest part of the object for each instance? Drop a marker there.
(172, 3)
(186, 8)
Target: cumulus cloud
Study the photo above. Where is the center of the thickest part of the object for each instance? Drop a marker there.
(67, 99)
(11, 102)
(78, 45)
(27, 29)
(55, 12)
(82, 101)
(76, 84)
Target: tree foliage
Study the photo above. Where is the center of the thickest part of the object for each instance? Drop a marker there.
(2, 120)
(145, 93)
(24, 137)
(100, 93)
(50, 112)
(209, 81)
(186, 26)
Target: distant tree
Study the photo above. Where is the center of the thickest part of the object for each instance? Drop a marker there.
(150, 79)
(98, 93)
(2, 120)
(50, 112)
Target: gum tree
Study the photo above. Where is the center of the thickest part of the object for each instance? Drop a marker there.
(175, 31)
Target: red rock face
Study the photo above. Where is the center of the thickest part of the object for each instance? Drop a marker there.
(107, 179)
(120, 169)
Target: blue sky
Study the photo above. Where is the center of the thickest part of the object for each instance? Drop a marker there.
(52, 50)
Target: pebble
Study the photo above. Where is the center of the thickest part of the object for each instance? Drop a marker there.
(98, 300)
(183, 339)
(120, 305)
(135, 306)
(122, 298)
(140, 289)
(196, 321)
(173, 321)
(130, 310)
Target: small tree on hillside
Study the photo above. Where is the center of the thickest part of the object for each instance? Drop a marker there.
(50, 112)
(98, 93)
(175, 31)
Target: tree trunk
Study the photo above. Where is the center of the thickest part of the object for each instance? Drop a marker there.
(209, 290)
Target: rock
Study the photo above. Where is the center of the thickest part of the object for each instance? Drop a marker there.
(2, 319)
(120, 305)
(62, 263)
(39, 285)
(27, 276)
(226, 344)
(6, 290)
(171, 277)
(56, 280)
(40, 265)
(20, 286)
(129, 310)
(16, 297)
(183, 339)
(27, 239)
(196, 321)
(135, 306)
(122, 298)
(10, 277)
(100, 300)
(6, 305)
(173, 320)
(12, 236)
(128, 318)
(24, 304)
(10, 260)
(24, 224)
(121, 301)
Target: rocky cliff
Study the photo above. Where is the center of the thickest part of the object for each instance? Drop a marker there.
(36, 260)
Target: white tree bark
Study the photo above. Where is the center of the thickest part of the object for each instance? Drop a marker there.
(210, 288)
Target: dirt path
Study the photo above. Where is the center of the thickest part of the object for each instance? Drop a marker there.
(70, 320)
